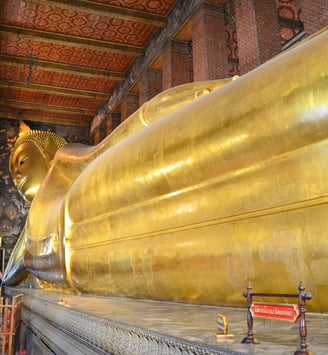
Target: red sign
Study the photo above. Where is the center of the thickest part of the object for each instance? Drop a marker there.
(288, 312)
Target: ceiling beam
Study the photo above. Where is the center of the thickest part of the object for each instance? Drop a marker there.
(67, 40)
(106, 10)
(73, 69)
(30, 105)
(53, 89)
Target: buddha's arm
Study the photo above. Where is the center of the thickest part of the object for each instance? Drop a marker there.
(15, 272)
(73, 158)
(163, 104)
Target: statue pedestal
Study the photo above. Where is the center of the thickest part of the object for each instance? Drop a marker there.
(70, 324)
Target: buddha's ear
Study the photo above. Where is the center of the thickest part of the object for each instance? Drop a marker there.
(50, 148)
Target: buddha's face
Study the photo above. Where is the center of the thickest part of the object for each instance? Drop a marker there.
(28, 169)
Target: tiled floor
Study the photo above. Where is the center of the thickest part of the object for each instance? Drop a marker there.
(198, 323)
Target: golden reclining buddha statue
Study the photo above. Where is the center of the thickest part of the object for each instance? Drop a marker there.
(205, 187)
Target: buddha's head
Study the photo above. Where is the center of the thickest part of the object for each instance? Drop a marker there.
(31, 158)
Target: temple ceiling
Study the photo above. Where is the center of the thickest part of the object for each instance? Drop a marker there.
(61, 60)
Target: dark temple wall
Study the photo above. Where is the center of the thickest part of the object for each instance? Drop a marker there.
(13, 209)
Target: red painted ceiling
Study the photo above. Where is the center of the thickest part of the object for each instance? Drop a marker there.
(60, 60)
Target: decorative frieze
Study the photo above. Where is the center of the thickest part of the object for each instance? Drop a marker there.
(67, 331)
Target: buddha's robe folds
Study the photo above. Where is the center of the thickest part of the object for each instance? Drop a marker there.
(230, 187)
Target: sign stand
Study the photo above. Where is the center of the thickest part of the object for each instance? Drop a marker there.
(278, 311)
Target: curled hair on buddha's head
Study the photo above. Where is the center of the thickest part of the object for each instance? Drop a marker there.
(45, 141)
